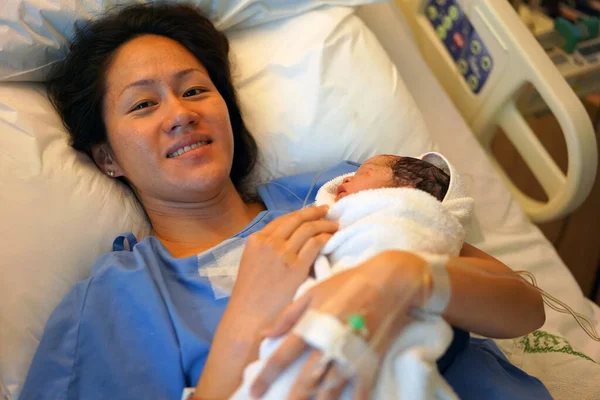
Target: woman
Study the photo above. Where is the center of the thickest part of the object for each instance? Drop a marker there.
(147, 93)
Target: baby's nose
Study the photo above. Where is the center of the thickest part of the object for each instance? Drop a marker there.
(346, 179)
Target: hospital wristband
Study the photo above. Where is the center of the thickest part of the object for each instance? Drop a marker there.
(440, 285)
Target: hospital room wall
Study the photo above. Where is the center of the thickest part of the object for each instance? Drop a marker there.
(576, 236)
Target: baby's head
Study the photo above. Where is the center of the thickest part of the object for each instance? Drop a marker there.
(387, 171)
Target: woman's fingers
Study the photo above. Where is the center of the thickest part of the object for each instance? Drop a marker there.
(284, 226)
(310, 377)
(309, 252)
(308, 234)
(289, 316)
(318, 379)
(332, 386)
(361, 392)
(296, 238)
(292, 348)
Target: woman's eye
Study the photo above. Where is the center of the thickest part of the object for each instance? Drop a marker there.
(142, 105)
(194, 92)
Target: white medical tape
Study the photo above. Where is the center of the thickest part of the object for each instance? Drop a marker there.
(187, 393)
(222, 273)
(337, 342)
(441, 289)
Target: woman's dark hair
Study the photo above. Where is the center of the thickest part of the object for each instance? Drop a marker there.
(421, 175)
(77, 85)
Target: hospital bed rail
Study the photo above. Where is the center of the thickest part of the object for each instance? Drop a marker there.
(487, 97)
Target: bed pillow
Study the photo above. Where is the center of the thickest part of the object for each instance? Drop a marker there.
(58, 215)
(314, 89)
(35, 32)
(315, 96)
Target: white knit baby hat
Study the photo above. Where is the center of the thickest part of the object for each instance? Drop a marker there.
(456, 200)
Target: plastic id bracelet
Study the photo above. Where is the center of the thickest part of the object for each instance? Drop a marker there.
(441, 289)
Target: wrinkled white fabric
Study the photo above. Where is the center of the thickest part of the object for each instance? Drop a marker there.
(375, 220)
(35, 33)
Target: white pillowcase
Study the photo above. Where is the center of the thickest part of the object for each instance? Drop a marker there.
(58, 215)
(315, 89)
(315, 96)
(35, 32)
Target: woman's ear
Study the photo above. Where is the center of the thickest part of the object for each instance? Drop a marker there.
(104, 159)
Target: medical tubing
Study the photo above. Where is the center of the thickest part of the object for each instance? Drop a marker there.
(381, 333)
(378, 337)
(552, 302)
(549, 300)
(557, 305)
(312, 186)
(586, 325)
(402, 305)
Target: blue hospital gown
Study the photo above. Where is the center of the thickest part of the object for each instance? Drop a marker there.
(141, 326)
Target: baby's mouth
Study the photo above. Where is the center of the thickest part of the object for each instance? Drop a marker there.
(340, 192)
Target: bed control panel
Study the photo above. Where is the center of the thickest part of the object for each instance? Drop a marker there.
(468, 51)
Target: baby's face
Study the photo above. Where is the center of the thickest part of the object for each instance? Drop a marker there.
(375, 173)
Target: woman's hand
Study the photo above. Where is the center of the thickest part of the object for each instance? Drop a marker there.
(386, 286)
(275, 262)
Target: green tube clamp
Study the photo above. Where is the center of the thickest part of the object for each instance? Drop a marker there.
(569, 32)
(591, 25)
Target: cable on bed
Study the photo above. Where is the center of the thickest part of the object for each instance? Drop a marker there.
(380, 334)
(557, 305)
(524, 276)
(561, 307)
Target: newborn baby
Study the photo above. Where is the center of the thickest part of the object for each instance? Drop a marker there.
(386, 171)
(391, 202)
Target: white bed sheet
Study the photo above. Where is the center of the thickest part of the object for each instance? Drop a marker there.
(501, 228)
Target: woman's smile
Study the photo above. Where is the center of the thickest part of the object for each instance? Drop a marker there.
(186, 146)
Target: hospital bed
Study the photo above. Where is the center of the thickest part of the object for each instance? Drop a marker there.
(51, 196)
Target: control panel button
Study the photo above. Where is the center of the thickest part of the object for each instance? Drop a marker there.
(453, 12)
(462, 66)
(441, 32)
(475, 47)
(432, 12)
(459, 40)
(447, 22)
(473, 82)
(486, 63)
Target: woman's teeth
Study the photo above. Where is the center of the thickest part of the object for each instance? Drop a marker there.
(185, 149)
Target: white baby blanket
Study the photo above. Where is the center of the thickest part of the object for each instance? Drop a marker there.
(372, 221)
(376, 220)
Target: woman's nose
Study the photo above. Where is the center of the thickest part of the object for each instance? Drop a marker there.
(180, 117)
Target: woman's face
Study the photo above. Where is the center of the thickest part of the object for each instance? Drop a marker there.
(168, 126)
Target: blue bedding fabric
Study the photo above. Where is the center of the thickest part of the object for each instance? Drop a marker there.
(141, 326)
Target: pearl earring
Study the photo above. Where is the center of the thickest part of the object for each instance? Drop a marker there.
(110, 173)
